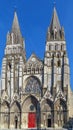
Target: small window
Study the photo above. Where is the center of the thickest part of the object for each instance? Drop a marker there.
(58, 63)
(61, 47)
(9, 66)
(49, 47)
(58, 55)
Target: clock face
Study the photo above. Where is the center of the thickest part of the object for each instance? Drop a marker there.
(33, 86)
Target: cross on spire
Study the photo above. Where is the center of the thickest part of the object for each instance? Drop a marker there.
(15, 8)
(54, 4)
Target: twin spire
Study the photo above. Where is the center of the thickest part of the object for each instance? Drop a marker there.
(55, 31)
(54, 23)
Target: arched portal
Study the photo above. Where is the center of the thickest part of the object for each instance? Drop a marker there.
(60, 114)
(63, 109)
(29, 112)
(4, 114)
(46, 113)
(15, 117)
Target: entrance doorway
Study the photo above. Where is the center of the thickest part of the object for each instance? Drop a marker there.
(49, 122)
(16, 122)
(31, 120)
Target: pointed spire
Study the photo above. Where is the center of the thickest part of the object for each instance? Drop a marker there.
(55, 21)
(15, 34)
(55, 32)
(15, 25)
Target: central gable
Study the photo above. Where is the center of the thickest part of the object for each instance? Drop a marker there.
(33, 63)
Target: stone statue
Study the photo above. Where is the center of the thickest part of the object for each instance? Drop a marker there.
(55, 33)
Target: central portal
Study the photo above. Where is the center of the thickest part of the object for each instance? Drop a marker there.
(31, 120)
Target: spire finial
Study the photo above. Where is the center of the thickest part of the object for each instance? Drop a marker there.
(15, 25)
(54, 3)
(15, 8)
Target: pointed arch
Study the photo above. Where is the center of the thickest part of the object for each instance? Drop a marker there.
(63, 104)
(30, 110)
(15, 114)
(60, 107)
(46, 112)
(15, 104)
(5, 106)
(35, 77)
(5, 114)
(32, 85)
(46, 104)
(28, 101)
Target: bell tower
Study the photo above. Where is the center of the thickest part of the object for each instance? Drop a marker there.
(15, 57)
(56, 64)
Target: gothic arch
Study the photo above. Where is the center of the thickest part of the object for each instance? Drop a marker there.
(60, 107)
(5, 114)
(29, 109)
(15, 104)
(35, 77)
(5, 103)
(15, 118)
(28, 101)
(62, 103)
(32, 85)
(5, 107)
(46, 113)
(48, 102)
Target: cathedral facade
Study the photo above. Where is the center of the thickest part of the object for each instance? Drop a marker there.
(35, 93)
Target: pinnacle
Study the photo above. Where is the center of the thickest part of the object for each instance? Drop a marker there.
(15, 25)
(55, 21)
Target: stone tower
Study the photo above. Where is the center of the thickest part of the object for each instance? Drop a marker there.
(12, 67)
(36, 93)
(57, 71)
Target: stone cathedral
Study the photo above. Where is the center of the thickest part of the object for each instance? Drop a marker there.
(36, 93)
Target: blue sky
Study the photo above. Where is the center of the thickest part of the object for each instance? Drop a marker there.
(34, 18)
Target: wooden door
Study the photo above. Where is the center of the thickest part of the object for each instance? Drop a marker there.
(31, 120)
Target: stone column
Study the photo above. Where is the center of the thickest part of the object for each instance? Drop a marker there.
(12, 77)
(20, 73)
(54, 76)
(4, 74)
